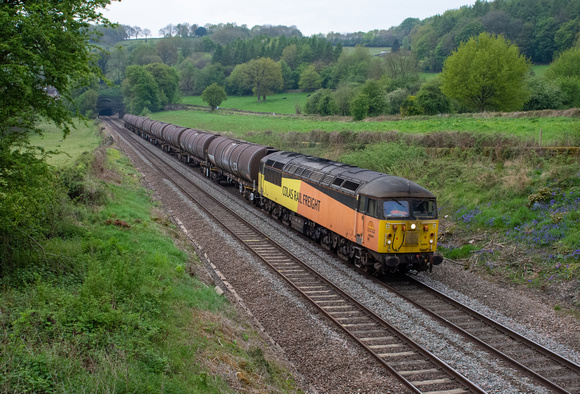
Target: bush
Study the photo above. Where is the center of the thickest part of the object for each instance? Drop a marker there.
(359, 107)
(544, 95)
(394, 100)
(409, 107)
(321, 102)
(431, 100)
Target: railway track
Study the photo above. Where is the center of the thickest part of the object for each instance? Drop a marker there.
(417, 368)
(546, 367)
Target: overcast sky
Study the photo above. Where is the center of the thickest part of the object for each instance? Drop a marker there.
(309, 16)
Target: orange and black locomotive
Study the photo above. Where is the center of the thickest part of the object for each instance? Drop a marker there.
(379, 222)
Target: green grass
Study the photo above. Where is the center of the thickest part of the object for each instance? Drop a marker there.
(428, 76)
(539, 69)
(110, 307)
(372, 50)
(276, 103)
(82, 139)
(555, 131)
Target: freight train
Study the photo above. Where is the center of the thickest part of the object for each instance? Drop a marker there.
(379, 222)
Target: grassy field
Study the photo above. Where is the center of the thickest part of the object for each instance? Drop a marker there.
(372, 50)
(67, 149)
(555, 131)
(277, 103)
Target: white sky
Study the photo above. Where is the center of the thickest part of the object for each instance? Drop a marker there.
(309, 16)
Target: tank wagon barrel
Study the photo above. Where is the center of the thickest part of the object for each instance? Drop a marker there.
(238, 158)
(377, 221)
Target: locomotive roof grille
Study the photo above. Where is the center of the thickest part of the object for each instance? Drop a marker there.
(350, 185)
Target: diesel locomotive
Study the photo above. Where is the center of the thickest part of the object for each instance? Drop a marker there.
(379, 222)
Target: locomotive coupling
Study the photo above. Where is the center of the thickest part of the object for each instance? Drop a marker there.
(392, 261)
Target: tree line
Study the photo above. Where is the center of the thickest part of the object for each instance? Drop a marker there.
(227, 54)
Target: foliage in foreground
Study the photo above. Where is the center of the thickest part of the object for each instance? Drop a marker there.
(44, 44)
(108, 305)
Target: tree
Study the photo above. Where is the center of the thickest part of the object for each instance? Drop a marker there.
(167, 31)
(214, 95)
(146, 33)
(376, 99)
(44, 44)
(212, 73)
(352, 66)
(137, 31)
(140, 91)
(409, 107)
(565, 71)
(545, 94)
(200, 31)
(359, 107)
(183, 29)
(45, 53)
(167, 50)
(263, 75)
(187, 72)
(487, 72)
(167, 82)
(310, 79)
(143, 54)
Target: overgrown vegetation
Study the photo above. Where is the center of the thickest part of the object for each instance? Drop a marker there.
(95, 296)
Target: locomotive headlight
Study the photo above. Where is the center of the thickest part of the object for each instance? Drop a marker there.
(389, 242)
(430, 241)
(413, 226)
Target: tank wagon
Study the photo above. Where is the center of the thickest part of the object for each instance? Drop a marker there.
(379, 222)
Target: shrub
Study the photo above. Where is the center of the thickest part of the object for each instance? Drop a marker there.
(431, 100)
(544, 95)
(359, 107)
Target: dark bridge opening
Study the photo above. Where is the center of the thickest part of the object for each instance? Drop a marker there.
(107, 106)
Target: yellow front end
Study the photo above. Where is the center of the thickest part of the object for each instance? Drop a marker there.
(409, 236)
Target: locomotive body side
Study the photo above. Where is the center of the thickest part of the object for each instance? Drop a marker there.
(344, 207)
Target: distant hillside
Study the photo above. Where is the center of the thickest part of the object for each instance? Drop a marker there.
(540, 28)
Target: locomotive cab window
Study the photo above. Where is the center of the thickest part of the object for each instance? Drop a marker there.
(368, 206)
(424, 209)
(419, 209)
(395, 209)
(362, 204)
(372, 208)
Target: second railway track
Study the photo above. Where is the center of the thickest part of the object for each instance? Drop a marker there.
(548, 368)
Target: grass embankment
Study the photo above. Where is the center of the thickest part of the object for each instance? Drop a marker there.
(509, 210)
(108, 305)
(558, 131)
